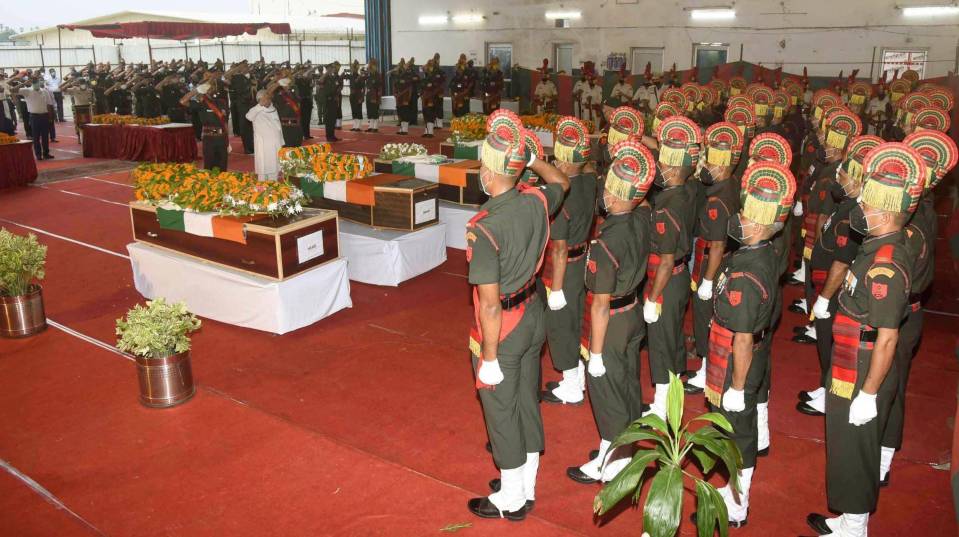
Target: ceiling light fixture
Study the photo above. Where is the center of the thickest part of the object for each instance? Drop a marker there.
(553, 15)
(930, 11)
(471, 17)
(434, 19)
(713, 14)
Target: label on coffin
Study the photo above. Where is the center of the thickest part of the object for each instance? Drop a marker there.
(309, 246)
(424, 211)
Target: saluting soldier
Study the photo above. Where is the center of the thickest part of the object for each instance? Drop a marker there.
(148, 98)
(562, 279)
(711, 245)
(319, 98)
(872, 306)
(214, 112)
(287, 103)
(460, 88)
(303, 79)
(439, 81)
(326, 92)
(172, 89)
(939, 152)
(615, 267)
(505, 245)
(432, 92)
(742, 314)
(492, 86)
(83, 101)
(357, 92)
(403, 90)
(373, 86)
(338, 93)
(667, 288)
(241, 101)
(836, 248)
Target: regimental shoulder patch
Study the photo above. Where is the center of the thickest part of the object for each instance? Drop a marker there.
(879, 290)
(713, 214)
(886, 272)
(735, 298)
(591, 266)
(822, 194)
(884, 254)
(661, 228)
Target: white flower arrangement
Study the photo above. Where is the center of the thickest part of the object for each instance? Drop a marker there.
(395, 151)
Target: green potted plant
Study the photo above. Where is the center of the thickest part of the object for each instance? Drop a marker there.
(668, 445)
(22, 261)
(158, 337)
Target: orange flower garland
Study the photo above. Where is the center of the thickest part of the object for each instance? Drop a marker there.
(7, 139)
(115, 119)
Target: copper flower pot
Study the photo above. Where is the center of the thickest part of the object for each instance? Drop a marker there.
(23, 315)
(166, 381)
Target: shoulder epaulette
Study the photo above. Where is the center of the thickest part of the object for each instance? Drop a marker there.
(884, 254)
(479, 216)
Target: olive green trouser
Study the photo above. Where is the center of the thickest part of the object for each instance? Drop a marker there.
(745, 423)
(617, 397)
(563, 327)
(667, 345)
(909, 334)
(852, 452)
(511, 408)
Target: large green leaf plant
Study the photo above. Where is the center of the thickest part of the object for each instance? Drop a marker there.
(671, 444)
(22, 261)
(156, 330)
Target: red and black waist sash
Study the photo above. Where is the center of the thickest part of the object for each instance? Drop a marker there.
(849, 337)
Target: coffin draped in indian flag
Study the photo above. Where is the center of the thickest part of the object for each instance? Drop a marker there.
(457, 179)
(346, 183)
(231, 219)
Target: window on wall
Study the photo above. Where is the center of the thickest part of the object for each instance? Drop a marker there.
(903, 59)
(503, 51)
(709, 55)
(563, 58)
(640, 56)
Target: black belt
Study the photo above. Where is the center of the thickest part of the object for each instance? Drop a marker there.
(213, 131)
(576, 251)
(868, 335)
(622, 301)
(519, 297)
(289, 122)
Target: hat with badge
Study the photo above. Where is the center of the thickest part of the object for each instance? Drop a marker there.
(679, 138)
(724, 142)
(631, 172)
(767, 194)
(895, 176)
(938, 151)
(572, 141)
(841, 127)
(859, 147)
(504, 150)
(931, 118)
(624, 123)
(771, 147)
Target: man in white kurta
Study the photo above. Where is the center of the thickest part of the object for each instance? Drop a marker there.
(267, 137)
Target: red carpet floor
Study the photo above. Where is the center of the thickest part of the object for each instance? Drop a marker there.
(363, 424)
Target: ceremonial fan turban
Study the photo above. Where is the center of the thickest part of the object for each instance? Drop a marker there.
(631, 172)
(938, 151)
(504, 151)
(895, 175)
(572, 140)
(767, 193)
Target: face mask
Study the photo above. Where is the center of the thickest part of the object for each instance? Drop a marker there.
(123, 86)
(821, 154)
(483, 186)
(857, 220)
(706, 177)
(837, 191)
(735, 229)
(658, 179)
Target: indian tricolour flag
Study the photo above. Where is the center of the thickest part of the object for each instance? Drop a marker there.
(204, 224)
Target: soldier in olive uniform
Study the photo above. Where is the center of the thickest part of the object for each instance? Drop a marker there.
(562, 279)
(357, 91)
(327, 94)
(148, 97)
(338, 92)
(172, 89)
(710, 245)
(872, 306)
(318, 97)
(940, 153)
(460, 89)
(403, 84)
(742, 314)
(505, 246)
(667, 288)
(287, 103)
(492, 86)
(241, 101)
(439, 81)
(303, 80)
(836, 248)
(213, 109)
(615, 267)
(431, 92)
(373, 84)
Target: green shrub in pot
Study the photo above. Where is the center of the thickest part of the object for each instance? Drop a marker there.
(22, 261)
(157, 329)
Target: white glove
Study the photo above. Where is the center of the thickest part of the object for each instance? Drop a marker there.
(733, 400)
(532, 159)
(821, 308)
(596, 367)
(797, 209)
(705, 290)
(490, 373)
(651, 311)
(556, 300)
(863, 409)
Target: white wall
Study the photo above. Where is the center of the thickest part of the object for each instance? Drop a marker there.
(824, 35)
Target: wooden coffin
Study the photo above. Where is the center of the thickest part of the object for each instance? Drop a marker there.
(458, 181)
(384, 200)
(276, 248)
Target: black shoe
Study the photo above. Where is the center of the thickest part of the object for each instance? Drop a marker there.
(494, 485)
(47, 157)
(885, 481)
(484, 508)
(593, 454)
(552, 385)
(794, 281)
(764, 452)
(577, 475)
(818, 523)
(804, 408)
(550, 398)
(803, 396)
(690, 389)
(803, 338)
(375, 130)
(801, 329)
(333, 139)
(732, 523)
(54, 141)
(370, 130)
(307, 137)
(796, 309)
(489, 446)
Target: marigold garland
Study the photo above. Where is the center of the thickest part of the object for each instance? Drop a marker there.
(116, 119)
(227, 193)
(298, 161)
(318, 163)
(468, 128)
(7, 139)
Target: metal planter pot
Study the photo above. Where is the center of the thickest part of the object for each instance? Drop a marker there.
(22, 316)
(165, 382)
